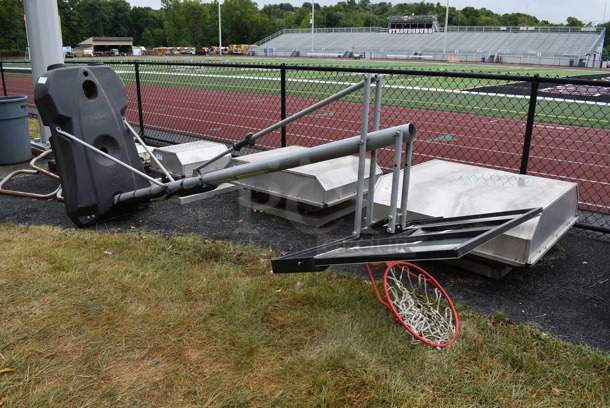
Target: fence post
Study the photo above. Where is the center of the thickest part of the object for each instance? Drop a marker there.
(139, 93)
(529, 127)
(3, 78)
(283, 100)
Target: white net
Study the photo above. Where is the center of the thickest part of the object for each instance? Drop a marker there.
(421, 306)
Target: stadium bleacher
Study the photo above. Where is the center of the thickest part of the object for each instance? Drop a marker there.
(562, 46)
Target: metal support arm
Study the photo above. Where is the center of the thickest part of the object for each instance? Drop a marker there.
(250, 139)
(345, 147)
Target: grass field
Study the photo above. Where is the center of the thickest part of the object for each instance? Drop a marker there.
(95, 319)
(389, 64)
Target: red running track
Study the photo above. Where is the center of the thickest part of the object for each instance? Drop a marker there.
(571, 153)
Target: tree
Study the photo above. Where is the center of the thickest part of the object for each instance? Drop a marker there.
(147, 39)
(104, 18)
(195, 17)
(121, 18)
(184, 21)
(71, 22)
(195, 22)
(240, 17)
(471, 16)
(12, 28)
(574, 22)
(143, 19)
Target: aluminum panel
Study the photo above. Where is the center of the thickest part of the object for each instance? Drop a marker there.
(445, 189)
(180, 160)
(322, 184)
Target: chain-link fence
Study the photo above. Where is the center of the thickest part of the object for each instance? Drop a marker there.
(551, 127)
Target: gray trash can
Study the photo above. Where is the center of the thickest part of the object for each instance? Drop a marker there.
(14, 131)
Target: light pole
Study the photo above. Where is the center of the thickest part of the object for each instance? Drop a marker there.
(312, 3)
(43, 32)
(446, 24)
(219, 31)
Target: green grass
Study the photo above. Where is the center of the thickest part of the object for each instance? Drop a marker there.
(141, 320)
(389, 64)
(33, 127)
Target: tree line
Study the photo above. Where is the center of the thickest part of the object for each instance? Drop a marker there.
(195, 23)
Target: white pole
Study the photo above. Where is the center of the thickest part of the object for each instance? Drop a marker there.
(446, 24)
(312, 3)
(44, 36)
(219, 31)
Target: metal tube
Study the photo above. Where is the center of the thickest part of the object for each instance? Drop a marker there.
(44, 38)
(283, 101)
(529, 127)
(139, 95)
(406, 177)
(109, 157)
(288, 120)
(152, 156)
(366, 102)
(373, 168)
(345, 147)
(310, 109)
(395, 180)
(40, 169)
(35, 170)
(3, 78)
(23, 193)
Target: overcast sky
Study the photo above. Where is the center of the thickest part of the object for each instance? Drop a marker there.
(555, 11)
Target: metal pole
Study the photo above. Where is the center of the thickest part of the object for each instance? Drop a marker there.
(373, 168)
(395, 181)
(252, 138)
(529, 127)
(312, 108)
(312, 18)
(406, 178)
(150, 153)
(283, 100)
(139, 95)
(366, 103)
(345, 147)
(44, 35)
(3, 78)
(219, 31)
(446, 24)
(109, 157)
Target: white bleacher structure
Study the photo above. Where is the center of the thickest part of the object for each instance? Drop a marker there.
(539, 45)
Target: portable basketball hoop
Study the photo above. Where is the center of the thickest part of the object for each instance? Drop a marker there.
(101, 176)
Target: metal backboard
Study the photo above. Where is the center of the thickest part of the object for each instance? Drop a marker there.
(429, 239)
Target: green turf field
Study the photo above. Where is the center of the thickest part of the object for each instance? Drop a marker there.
(392, 64)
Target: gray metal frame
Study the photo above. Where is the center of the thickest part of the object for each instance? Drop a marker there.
(431, 239)
(250, 140)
